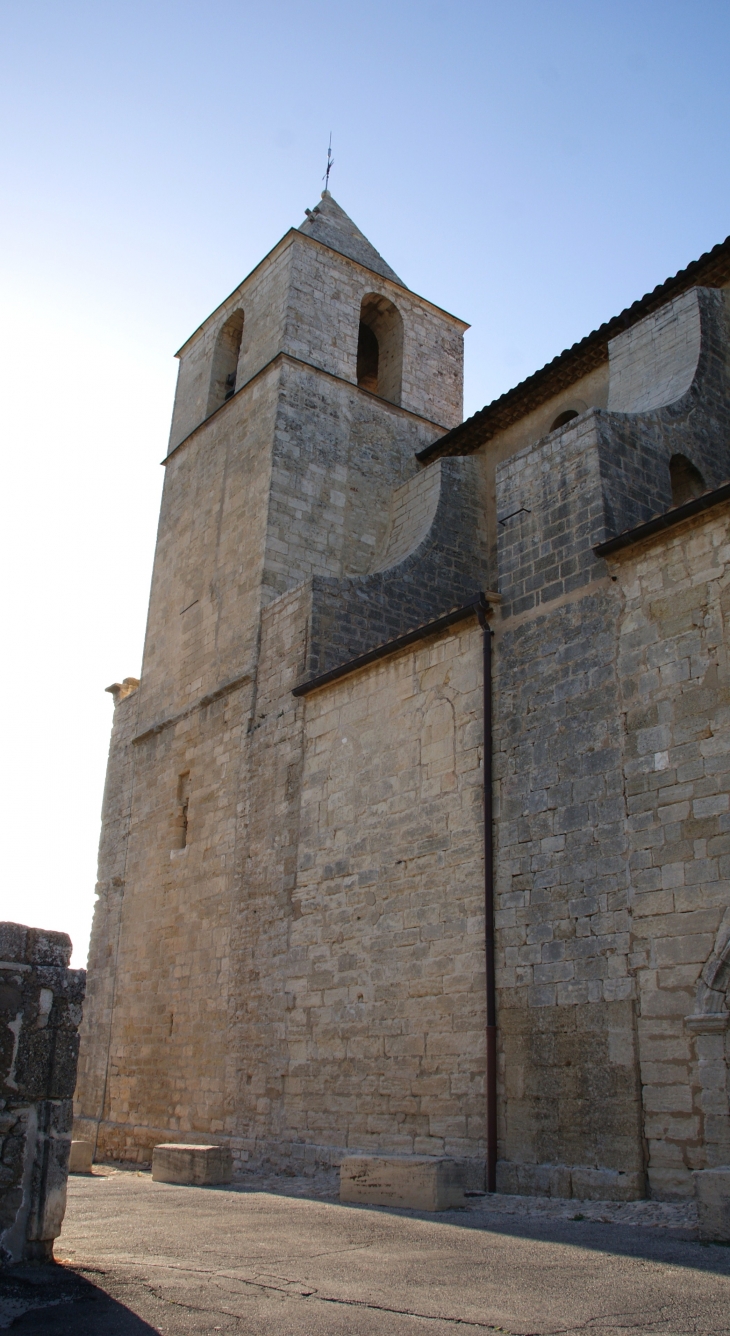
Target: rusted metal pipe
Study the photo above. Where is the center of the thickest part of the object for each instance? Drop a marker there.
(491, 1076)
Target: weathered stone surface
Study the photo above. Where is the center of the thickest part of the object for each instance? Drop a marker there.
(421, 1182)
(202, 1165)
(288, 952)
(712, 1190)
(40, 1011)
(81, 1157)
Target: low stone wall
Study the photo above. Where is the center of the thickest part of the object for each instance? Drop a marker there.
(40, 1011)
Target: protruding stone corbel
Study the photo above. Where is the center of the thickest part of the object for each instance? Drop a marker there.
(120, 690)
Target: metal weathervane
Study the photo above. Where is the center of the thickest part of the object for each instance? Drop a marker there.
(330, 165)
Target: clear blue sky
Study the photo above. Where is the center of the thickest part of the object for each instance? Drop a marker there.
(532, 167)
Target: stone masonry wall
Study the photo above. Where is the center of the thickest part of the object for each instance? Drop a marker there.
(635, 449)
(205, 595)
(170, 1068)
(291, 476)
(570, 1102)
(95, 1029)
(323, 323)
(675, 703)
(338, 454)
(304, 300)
(654, 362)
(385, 967)
(263, 299)
(288, 953)
(446, 569)
(40, 1010)
(611, 743)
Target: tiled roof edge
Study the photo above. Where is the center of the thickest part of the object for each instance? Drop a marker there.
(710, 270)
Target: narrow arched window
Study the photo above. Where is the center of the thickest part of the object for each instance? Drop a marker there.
(564, 417)
(687, 481)
(380, 348)
(224, 367)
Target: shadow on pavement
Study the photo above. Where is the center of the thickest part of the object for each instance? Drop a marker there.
(658, 1245)
(57, 1301)
(667, 1245)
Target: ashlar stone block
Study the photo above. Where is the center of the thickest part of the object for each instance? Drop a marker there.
(202, 1166)
(712, 1190)
(81, 1157)
(421, 1182)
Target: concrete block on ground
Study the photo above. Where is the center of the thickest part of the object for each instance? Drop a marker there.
(421, 1182)
(80, 1159)
(199, 1165)
(712, 1190)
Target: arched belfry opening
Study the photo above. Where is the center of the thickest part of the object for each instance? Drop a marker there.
(225, 362)
(687, 481)
(563, 418)
(380, 348)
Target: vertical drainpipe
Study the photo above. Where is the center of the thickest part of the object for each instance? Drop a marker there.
(491, 1090)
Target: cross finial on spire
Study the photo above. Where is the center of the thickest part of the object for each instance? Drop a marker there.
(330, 165)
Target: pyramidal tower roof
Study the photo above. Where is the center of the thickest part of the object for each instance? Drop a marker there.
(328, 223)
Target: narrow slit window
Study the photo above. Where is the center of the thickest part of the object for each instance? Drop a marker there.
(181, 818)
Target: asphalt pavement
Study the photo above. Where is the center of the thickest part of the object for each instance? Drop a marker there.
(137, 1257)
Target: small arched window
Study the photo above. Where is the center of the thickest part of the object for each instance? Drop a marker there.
(225, 362)
(564, 417)
(380, 348)
(687, 481)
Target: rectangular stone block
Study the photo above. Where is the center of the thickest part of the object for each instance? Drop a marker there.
(533, 1180)
(421, 1182)
(202, 1166)
(712, 1190)
(606, 1185)
(82, 1154)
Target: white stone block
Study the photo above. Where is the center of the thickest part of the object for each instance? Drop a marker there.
(200, 1165)
(712, 1190)
(421, 1182)
(82, 1154)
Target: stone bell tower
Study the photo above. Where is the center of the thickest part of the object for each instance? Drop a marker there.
(300, 406)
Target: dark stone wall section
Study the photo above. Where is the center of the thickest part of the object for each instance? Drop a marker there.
(448, 568)
(607, 472)
(40, 1011)
(634, 449)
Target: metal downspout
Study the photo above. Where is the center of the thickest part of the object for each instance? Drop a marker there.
(491, 1075)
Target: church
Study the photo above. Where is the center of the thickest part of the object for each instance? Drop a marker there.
(313, 936)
